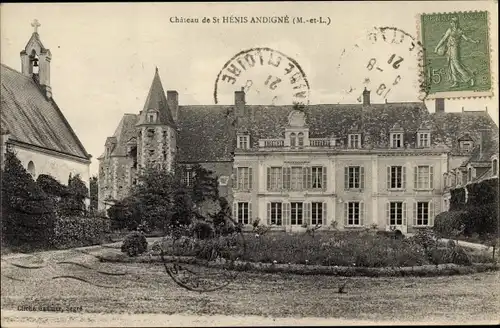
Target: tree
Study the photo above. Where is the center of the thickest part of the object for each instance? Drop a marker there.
(28, 213)
(73, 203)
(205, 185)
(94, 191)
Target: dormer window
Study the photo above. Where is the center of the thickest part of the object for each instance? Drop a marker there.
(354, 141)
(466, 143)
(293, 139)
(300, 139)
(466, 146)
(108, 151)
(152, 116)
(243, 141)
(396, 140)
(423, 139)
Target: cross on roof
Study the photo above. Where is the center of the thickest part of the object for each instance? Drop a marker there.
(35, 25)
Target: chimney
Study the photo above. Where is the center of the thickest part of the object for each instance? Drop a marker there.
(439, 107)
(239, 102)
(173, 103)
(463, 109)
(366, 97)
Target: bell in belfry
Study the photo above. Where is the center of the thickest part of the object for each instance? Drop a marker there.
(35, 62)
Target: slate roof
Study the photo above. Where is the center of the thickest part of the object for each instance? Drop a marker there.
(32, 118)
(207, 133)
(123, 133)
(449, 127)
(157, 100)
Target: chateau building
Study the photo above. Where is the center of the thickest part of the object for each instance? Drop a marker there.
(33, 125)
(348, 166)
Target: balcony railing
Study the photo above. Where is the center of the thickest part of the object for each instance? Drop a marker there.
(320, 142)
(271, 143)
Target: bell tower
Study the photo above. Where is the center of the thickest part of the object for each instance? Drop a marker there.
(35, 61)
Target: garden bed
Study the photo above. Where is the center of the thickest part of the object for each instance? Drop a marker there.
(333, 253)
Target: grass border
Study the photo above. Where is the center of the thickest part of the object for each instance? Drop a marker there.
(301, 269)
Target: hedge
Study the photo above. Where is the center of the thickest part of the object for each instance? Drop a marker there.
(79, 231)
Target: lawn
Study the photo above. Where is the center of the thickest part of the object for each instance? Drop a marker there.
(145, 288)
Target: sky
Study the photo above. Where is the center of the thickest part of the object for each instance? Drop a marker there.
(104, 55)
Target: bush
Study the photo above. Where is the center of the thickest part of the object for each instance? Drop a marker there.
(447, 224)
(134, 244)
(28, 213)
(202, 230)
(78, 231)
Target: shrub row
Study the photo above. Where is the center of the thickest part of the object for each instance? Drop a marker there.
(79, 231)
(301, 269)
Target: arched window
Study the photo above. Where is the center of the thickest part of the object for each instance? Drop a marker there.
(301, 139)
(31, 169)
(293, 140)
(34, 62)
(494, 165)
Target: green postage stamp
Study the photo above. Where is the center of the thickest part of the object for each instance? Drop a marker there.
(456, 54)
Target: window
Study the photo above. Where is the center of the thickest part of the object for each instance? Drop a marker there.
(296, 213)
(152, 117)
(243, 212)
(244, 178)
(164, 155)
(396, 177)
(354, 177)
(317, 177)
(354, 141)
(424, 177)
(423, 139)
(469, 174)
(396, 140)
(275, 213)
(243, 142)
(353, 213)
(395, 213)
(274, 178)
(188, 178)
(151, 152)
(31, 169)
(301, 139)
(494, 166)
(108, 151)
(466, 146)
(317, 213)
(446, 205)
(151, 133)
(296, 178)
(223, 180)
(293, 140)
(422, 215)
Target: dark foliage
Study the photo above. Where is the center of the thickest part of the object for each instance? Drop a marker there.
(28, 214)
(94, 191)
(202, 230)
(457, 201)
(134, 244)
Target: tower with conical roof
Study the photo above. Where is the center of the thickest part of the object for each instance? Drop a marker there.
(156, 129)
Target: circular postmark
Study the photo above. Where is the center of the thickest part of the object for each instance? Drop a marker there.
(266, 75)
(389, 63)
(212, 262)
